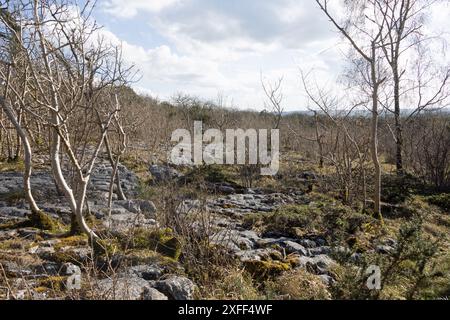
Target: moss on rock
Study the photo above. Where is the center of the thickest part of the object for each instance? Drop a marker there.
(162, 241)
(39, 220)
(42, 221)
(266, 269)
(56, 283)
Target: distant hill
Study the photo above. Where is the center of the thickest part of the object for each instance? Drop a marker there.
(367, 113)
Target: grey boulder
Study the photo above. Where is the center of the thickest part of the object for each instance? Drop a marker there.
(176, 288)
(129, 288)
(163, 173)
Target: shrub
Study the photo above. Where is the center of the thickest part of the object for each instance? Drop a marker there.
(405, 271)
(441, 200)
(286, 218)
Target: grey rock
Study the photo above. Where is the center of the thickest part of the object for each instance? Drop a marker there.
(294, 247)
(249, 191)
(81, 254)
(127, 288)
(164, 173)
(391, 242)
(125, 221)
(153, 294)
(256, 254)
(237, 205)
(267, 242)
(146, 272)
(68, 269)
(130, 205)
(341, 250)
(384, 249)
(13, 212)
(42, 252)
(308, 243)
(236, 240)
(319, 264)
(323, 261)
(47, 268)
(147, 207)
(138, 206)
(177, 288)
(326, 279)
(320, 250)
(226, 189)
(14, 269)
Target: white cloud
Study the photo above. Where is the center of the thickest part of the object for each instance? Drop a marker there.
(216, 46)
(210, 46)
(130, 8)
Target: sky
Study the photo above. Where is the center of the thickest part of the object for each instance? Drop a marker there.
(209, 48)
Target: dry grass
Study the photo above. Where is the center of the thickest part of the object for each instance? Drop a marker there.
(298, 285)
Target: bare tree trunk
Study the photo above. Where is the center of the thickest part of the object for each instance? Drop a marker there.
(8, 141)
(81, 197)
(115, 174)
(398, 124)
(19, 137)
(27, 152)
(364, 183)
(56, 125)
(374, 136)
(319, 139)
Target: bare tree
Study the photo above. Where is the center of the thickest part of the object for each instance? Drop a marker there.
(274, 94)
(117, 153)
(10, 68)
(366, 41)
(74, 77)
(346, 149)
(27, 152)
(404, 20)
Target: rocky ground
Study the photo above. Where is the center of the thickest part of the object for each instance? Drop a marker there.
(35, 265)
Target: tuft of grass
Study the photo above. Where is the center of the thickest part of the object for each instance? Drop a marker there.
(297, 285)
(14, 165)
(235, 284)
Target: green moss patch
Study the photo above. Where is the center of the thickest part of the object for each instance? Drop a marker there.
(39, 220)
(42, 221)
(162, 241)
(266, 269)
(55, 283)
